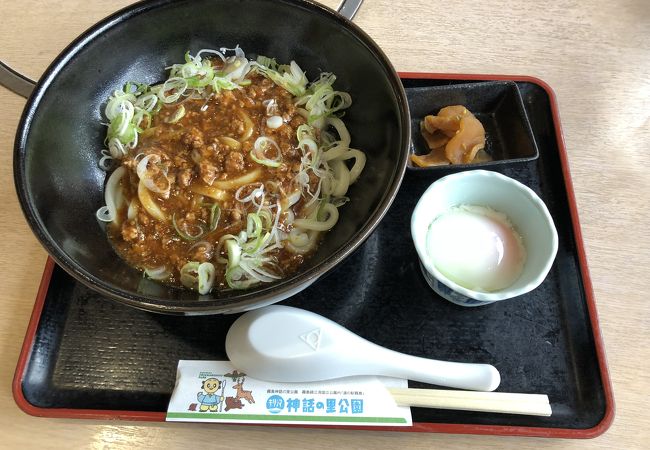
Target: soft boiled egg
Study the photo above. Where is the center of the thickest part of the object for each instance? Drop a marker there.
(476, 247)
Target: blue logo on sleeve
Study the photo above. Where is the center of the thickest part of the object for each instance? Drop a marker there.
(275, 404)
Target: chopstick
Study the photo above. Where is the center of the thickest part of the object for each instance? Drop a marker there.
(496, 402)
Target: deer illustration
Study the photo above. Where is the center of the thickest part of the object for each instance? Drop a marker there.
(241, 393)
(233, 403)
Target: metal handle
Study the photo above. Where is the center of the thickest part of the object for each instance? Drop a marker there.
(15, 82)
(349, 8)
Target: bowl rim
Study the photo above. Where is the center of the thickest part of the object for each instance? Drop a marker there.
(419, 236)
(215, 305)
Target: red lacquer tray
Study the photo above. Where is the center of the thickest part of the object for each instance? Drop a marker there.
(87, 357)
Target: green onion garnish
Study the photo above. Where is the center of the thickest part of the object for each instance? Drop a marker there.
(185, 235)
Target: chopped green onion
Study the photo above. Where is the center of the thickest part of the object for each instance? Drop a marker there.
(236, 279)
(147, 102)
(267, 219)
(122, 129)
(290, 77)
(206, 276)
(247, 262)
(103, 214)
(271, 63)
(219, 83)
(127, 111)
(215, 215)
(185, 235)
(234, 252)
(322, 101)
(139, 117)
(253, 225)
(260, 148)
(158, 273)
(321, 215)
(172, 89)
(143, 172)
(189, 275)
(305, 131)
(178, 115)
(202, 77)
(198, 276)
(116, 148)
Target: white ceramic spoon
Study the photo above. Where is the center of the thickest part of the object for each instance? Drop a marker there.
(285, 344)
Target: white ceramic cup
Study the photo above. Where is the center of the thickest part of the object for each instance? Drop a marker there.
(526, 211)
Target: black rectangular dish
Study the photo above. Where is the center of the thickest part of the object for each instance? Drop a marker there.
(87, 357)
(497, 104)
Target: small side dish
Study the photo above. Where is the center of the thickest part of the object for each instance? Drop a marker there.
(481, 237)
(454, 136)
(496, 106)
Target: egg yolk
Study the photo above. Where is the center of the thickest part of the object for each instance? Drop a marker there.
(476, 247)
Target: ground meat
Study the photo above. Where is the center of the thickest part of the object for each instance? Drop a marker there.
(167, 242)
(180, 162)
(235, 162)
(143, 218)
(141, 249)
(247, 102)
(201, 253)
(297, 120)
(237, 125)
(207, 172)
(130, 231)
(184, 177)
(208, 150)
(193, 139)
(160, 229)
(129, 164)
(235, 215)
(227, 97)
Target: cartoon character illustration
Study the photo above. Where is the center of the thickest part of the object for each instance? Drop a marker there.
(241, 393)
(233, 403)
(236, 401)
(210, 400)
(234, 375)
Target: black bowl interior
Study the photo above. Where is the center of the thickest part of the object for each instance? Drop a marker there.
(497, 104)
(60, 137)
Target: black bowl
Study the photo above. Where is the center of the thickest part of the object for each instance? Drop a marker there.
(60, 134)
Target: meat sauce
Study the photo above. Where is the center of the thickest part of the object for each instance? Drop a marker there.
(204, 158)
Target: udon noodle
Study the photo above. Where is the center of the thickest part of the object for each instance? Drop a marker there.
(226, 175)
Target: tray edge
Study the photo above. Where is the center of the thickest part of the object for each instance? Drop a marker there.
(586, 433)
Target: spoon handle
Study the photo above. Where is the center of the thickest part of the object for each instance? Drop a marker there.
(476, 377)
